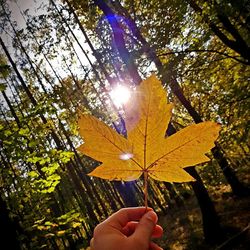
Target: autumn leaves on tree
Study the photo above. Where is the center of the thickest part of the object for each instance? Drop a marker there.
(146, 149)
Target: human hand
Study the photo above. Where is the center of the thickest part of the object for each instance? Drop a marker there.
(123, 231)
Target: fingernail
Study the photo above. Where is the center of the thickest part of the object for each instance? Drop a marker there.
(151, 215)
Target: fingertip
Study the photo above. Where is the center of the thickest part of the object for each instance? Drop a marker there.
(151, 215)
(158, 232)
(146, 226)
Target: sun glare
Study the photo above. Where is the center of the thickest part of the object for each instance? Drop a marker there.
(126, 156)
(120, 95)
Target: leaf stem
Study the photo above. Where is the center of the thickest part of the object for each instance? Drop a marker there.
(145, 189)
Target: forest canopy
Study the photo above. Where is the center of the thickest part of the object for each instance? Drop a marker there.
(60, 59)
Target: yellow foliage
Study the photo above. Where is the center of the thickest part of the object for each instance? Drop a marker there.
(146, 149)
(61, 233)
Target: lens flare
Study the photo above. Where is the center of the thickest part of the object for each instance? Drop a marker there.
(126, 156)
(120, 95)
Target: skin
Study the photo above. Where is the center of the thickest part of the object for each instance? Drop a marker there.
(128, 229)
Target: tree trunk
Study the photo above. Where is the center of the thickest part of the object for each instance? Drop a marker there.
(126, 191)
(211, 223)
(237, 187)
(119, 41)
(9, 228)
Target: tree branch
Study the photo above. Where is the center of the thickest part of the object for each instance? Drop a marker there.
(205, 51)
(236, 45)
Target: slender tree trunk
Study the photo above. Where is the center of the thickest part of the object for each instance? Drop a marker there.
(237, 187)
(8, 228)
(173, 195)
(119, 41)
(157, 199)
(128, 197)
(117, 195)
(11, 109)
(108, 193)
(211, 223)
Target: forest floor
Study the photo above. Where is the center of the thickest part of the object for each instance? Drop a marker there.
(183, 225)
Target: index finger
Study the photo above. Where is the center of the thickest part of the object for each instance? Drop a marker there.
(124, 215)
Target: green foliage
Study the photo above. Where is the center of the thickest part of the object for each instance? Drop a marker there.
(57, 227)
(2, 87)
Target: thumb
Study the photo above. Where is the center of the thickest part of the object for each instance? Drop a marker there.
(146, 226)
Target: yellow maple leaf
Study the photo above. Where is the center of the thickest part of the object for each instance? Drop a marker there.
(146, 149)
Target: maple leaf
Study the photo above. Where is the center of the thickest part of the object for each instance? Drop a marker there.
(146, 149)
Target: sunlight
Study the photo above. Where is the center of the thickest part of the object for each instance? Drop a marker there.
(120, 95)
